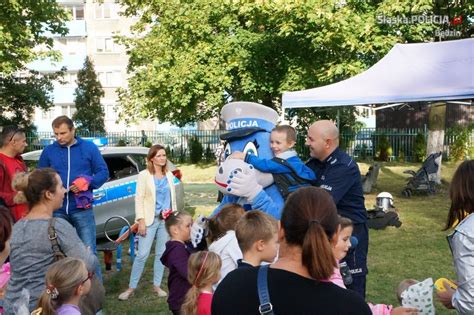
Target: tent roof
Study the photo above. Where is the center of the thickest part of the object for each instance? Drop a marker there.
(408, 73)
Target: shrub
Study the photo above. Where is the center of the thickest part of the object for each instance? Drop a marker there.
(209, 155)
(384, 149)
(195, 150)
(122, 143)
(420, 148)
(401, 156)
(459, 149)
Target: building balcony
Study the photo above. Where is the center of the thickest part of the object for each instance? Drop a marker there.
(77, 28)
(71, 62)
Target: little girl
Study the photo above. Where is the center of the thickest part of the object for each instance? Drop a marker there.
(203, 271)
(176, 255)
(66, 281)
(341, 246)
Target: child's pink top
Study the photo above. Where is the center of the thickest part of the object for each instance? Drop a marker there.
(204, 303)
(377, 309)
(4, 274)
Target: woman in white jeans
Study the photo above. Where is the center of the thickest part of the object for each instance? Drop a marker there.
(155, 195)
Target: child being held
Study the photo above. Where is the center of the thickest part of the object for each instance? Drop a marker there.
(222, 237)
(341, 245)
(289, 172)
(67, 280)
(203, 272)
(175, 257)
(257, 235)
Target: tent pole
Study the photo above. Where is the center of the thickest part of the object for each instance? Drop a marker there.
(338, 118)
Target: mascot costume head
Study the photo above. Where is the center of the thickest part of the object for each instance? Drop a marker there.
(249, 126)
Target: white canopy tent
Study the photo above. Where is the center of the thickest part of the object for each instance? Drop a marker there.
(439, 71)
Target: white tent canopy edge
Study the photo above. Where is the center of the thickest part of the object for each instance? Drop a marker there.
(439, 71)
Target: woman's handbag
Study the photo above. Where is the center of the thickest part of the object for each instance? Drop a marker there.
(93, 301)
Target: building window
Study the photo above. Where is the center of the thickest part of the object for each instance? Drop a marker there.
(70, 78)
(77, 12)
(105, 11)
(110, 78)
(48, 114)
(106, 45)
(68, 110)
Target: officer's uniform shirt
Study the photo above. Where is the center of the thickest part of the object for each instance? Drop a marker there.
(339, 174)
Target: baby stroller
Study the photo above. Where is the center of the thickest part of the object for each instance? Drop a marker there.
(421, 181)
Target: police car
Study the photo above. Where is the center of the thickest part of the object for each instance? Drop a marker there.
(116, 196)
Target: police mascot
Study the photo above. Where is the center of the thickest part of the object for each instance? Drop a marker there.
(249, 126)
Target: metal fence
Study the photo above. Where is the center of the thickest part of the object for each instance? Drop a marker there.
(362, 144)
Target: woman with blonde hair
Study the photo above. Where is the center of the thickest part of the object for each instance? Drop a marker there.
(154, 200)
(31, 248)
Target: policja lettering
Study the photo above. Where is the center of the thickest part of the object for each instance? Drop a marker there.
(242, 124)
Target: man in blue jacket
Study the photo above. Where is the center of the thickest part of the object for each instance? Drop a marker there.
(75, 158)
(339, 174)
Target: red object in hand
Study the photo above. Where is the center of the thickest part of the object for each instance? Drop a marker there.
(81, 183)
(177, 173)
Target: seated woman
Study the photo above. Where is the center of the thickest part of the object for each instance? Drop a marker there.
(297, 281)
(31, 251)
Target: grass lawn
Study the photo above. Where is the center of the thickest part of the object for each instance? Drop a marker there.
(418, 249)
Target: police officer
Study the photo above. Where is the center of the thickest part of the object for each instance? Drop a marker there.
(339, 174)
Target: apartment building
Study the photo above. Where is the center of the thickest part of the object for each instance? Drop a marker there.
(91, 31)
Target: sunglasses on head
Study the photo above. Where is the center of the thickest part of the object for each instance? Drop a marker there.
(90, 275)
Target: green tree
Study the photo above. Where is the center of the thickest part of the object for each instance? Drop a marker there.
(191, 57)
(19, 96)
(89, 115)
(24, 24)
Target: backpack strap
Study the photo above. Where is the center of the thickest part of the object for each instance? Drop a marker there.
(265, 306)
(53, 237)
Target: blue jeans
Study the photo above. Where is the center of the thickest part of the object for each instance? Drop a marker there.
(84, 223)
(156, 230)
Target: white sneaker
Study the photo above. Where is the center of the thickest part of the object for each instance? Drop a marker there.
(125, 295)
(160, 292)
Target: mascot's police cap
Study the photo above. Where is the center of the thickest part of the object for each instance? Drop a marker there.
(245, 118)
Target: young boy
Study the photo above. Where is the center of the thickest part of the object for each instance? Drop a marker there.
(289, 172)
(257, 235)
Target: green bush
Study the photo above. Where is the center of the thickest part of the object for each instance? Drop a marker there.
(420, 148)
(384, 149)
(122, 143)
(401, 156)
(209, 155)
(195, 150)
(459, 149)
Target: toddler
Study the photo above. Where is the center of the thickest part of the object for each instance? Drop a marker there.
(67, 280)
(289, 172)
(175, 257)
(203, 271)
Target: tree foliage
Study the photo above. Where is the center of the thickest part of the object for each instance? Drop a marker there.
(89, 115)
(189, 58)
(20, 95)
(24, 25)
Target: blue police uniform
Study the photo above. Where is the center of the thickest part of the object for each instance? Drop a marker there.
(339, 174)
